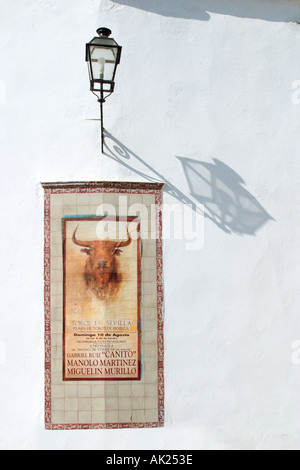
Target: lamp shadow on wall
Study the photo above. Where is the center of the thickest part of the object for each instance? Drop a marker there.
(221, 190)
(214, 186)
(281, 11)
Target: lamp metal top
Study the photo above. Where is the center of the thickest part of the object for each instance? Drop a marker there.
(104, 32)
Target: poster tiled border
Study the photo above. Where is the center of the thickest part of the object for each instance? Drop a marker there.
(104, 187)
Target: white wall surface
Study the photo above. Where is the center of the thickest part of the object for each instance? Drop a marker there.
(210, 82)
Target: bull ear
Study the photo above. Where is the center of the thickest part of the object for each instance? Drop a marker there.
(86, 251)
(117, 252)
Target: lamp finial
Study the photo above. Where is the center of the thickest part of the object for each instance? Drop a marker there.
(104, 32)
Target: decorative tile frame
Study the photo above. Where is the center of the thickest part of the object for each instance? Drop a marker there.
(109, 404)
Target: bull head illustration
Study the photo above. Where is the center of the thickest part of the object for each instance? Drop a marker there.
(102, 268)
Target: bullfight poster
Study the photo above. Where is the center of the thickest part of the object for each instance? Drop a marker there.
(103, 300)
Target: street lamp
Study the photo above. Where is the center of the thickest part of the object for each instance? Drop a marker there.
(103, 56)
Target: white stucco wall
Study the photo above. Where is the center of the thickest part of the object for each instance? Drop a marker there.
(210, 82)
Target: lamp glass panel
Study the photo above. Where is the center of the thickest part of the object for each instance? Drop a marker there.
(103, 62)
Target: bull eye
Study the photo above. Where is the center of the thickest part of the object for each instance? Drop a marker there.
(117, 252)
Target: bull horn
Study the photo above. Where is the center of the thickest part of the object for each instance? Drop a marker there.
(78, 242)
(125, 243)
